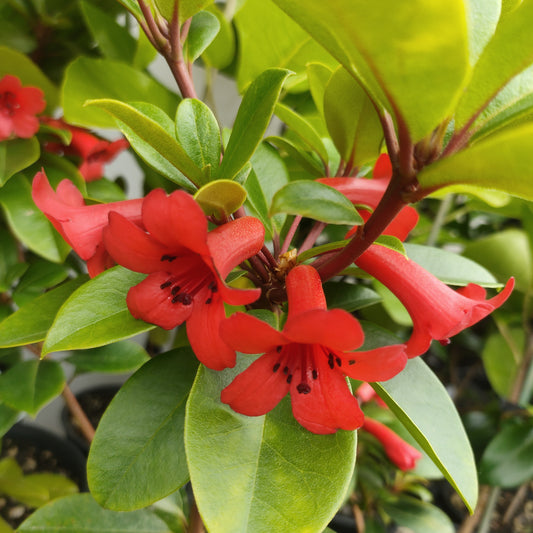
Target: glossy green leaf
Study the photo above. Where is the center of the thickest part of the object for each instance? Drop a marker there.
(203, 29)
(40, 488)
(482, 19)
(293, 49)
(9, 258)
(507, 459)
(119, 357)
(417, 398)
(502, 161)
(17, 64)
(315, 200)
(8, 416)
(508, 53)
(221, 198)
(16, 155)
(252, 120)
(80, 512)
(29, 385)
(30, 323)
(28, 224)
(254, 457)
(303, 129)
(451, 268)
(133, 7)
(414, 52)
(310, 164)
(219, 54)
(187, 8)
(92, 79)
(348, 296)
(351, 119)
(114, 41)
(318, 76)
(96, 314)
(140, 125)
(105, 191)
(198, 133)
(138, 456)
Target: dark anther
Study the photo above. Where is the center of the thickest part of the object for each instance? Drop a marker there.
(315, 374)
(289, 378)
(303, 388)
(175, 290)
(338, 361)
(213, 287)
(209, 300)
(286, 370)
(351, 362)
(275, 367)
(331, 363)
(182, 298)
(165, 285)
(168, 258)
(278, 349)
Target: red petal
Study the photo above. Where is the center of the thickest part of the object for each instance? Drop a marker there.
(258, 389)
(234, 296)
(203, 330)
(248, 334)
(382, 168)
(336, 329)
(68, 193)
(379, 364)
(304, 290)
(359, 191)
(24, 125)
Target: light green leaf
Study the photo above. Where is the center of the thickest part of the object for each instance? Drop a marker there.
(254, 458)
(315, 200)
(140, 124)
(501, 161)
(221, 198)
(411, 56)
(92, 79)
(351, 119)
(40, 488)
(138, 456)
(318, 76)
(29, 385)
(203, 29)
(16, 155)
(417, 398)
(348, 296)
(252, 120)
(187, 8)
(80, 512)
(96, 314)
(482, 19)
(310, 164)
(219, 54)
(8, 416)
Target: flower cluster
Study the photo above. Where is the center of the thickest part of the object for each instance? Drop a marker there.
(318, 350)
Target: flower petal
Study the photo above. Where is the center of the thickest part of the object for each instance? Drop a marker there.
(258, 389)
(304, 290)
(379, 364)
(248, 334)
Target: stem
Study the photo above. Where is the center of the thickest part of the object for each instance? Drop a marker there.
(78, 413)
(391, 140)
(196, 524)
(312, 236)
(484, 525)
(471, 521)
(290, 235)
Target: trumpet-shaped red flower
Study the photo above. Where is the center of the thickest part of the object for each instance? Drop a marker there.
(79, 224)
(401, 453)
(187, 266)
(18, 107)
(93, 151)
(438, 312)
(309, 359)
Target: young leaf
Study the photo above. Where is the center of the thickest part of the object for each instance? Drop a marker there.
(187, 8)
(482, 19)
(315, 200)
(252, 120)
(138, 456)
(16, 155)
(318, 76)
(221, 198)
(417, 398)
(273, 451)
(96, 314)
(203, 29)
(219, 54)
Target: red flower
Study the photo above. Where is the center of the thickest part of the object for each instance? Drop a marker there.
(438, 312)
(18, 107)
(93, 151)
(401, 453)
(308, 359)
(186, 267)
(79, 224)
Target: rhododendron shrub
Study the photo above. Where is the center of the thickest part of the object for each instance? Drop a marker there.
(271, 275)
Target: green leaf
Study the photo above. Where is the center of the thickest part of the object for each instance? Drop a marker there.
(96, 314)
(219, 54)
(414, 52)
(501, 161)
(80, 512)
(120, 357)
(348, 296)
(92, 79)
(8, 416)
(508, 53)
(315, 200)
(451, 268)
(318, 76)
(187, 8)
(28, 224)
(114, 41)
(221, 198)
(20, 65)
(507, 459)
(16, 155)
(30, 323)
(203, 29)
(303, 129)
(257, 456)
(198, 133)
(293, 49)
(29, 385)
(140, 124)
(138, 456)
(8, 258)
(310, 164)
(252, 120)
(418, 399)
(351, 119)
(482, 19)
(133, 7)
(40, 488)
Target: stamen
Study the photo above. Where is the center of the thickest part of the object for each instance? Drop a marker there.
(165, 285)
(209, 300)
(351, 362)
(289, 378)
(275, 368)
(286, 370)
(331, 362)
(338, 361)
(175, 290)
(168, 258)
(278, 348)
(303, 388)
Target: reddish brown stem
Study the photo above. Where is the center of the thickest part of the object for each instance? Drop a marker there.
(78, 413)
